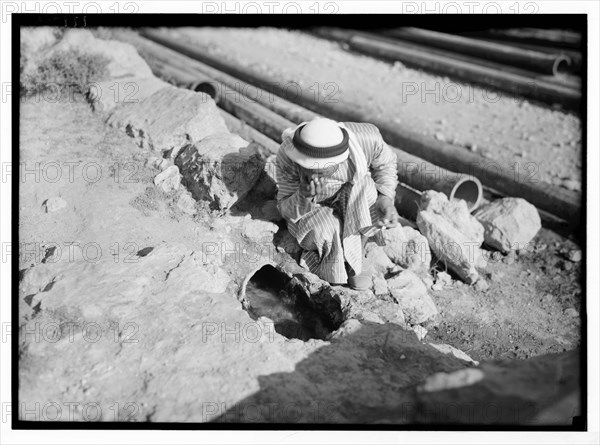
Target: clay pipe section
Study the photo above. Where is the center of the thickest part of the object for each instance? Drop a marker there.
(532, 60)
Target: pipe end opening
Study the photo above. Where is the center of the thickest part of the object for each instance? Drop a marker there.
(206, 88)
(470, 190)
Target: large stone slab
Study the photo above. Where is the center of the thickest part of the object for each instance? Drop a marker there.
(454, 235)
(217, 170)
(107, 95)
(509, 223)
(169, 119)
(512, 392)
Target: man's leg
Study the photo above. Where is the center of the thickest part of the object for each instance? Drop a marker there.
(319, 234)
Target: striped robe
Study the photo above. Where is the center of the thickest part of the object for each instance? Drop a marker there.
(330, 235)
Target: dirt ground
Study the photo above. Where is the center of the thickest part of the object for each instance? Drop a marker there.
(501, 128)
(524, 313)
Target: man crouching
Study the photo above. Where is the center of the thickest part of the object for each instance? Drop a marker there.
(337, 183)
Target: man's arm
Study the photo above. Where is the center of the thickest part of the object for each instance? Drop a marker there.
(384, 168)
(292, 205)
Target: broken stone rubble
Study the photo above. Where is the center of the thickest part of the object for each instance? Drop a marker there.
(412, 296)
(168, 180)
(406, 247)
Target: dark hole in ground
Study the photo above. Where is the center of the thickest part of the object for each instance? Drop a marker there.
(145, 251)
(49, 253)
(268, 295)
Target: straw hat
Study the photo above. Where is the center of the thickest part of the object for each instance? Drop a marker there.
(319, 144)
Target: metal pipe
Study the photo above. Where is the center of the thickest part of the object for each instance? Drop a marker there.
(531, 60)
(546, 37)
(574, 55)
(447, 64)
(555, 200)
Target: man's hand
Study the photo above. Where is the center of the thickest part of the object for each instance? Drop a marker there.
(310, 186)
(388, 216)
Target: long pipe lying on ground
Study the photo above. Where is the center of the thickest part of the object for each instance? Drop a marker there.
(546, 37)
(414, 171)
(555, 200)
(447, 64)
(574, 55)
(531, 60)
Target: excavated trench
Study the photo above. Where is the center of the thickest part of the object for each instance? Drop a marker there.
(273, 294)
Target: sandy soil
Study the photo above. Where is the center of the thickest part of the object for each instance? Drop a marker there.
(544, 141)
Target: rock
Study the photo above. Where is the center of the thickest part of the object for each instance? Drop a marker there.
(348, 327)
(440, 137)
(163, 164)
(380, 286)
(448, 349)
(124, 60)
(214, 169)
(406, 247)
(571, 184)
(259, 231)
(152, 161)
(107, 95)
(285, 242)
(501, 393)
(420, 332)
(411, 294)
(270, 212)
(571, 312)
(497, 276)
(54, 204)
(471, 146)
(444, 278)
(481, 285)
(169, 119)
(169, 179)
(437, 286)
(375, 259)
(35, 39)
(566, 265)
(575, 255)
(340, 303)
(266, 186)
(453, 234)
(186, 204)
(509, 223)
(443, 381)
